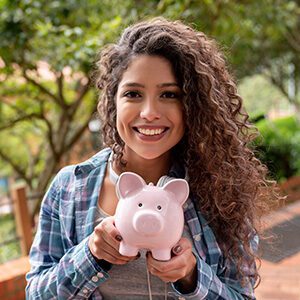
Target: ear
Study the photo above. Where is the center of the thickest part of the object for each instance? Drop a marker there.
(180, 189)
(129, 182)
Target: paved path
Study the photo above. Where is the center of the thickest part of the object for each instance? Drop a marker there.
(281, 281)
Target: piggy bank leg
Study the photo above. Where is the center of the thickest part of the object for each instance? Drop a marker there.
(161, 254)
(128, 250)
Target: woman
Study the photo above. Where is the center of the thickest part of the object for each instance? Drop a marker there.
(168, 107)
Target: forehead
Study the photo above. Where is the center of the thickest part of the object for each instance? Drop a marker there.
(148, 69)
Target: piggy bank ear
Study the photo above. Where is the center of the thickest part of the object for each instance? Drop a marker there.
(180, 189)
(129, 182)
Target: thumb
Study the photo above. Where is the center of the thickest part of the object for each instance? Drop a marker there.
(177, 249)
(182, 245)
(111, 229)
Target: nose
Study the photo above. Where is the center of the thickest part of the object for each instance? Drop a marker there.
(148, 223)
(150, 110)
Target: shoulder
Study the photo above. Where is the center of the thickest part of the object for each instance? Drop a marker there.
(96, 161)
(65, 180)
(85, 167)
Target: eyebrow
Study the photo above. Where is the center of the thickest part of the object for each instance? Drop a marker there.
(135, 84)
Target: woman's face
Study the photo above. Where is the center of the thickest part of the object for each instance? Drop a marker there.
(149, 109)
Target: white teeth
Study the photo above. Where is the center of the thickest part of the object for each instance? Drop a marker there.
(150, 131)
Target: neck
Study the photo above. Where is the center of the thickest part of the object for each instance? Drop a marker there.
(150, 169)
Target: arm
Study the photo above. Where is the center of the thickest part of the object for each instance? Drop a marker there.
(60, 269)
(221, 286)
(192, 278)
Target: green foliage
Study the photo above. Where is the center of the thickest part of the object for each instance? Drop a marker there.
(42, 118)
(260, 95)
(63, 33)
(279, 146)
(258, 36)
(8, 232)
(47, 50)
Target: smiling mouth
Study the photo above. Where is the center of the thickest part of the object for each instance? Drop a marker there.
(150, 132)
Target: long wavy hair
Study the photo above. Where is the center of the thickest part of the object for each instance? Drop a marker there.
(226, 178)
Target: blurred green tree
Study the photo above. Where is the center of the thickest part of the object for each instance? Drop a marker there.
(259, 36)
(47, 50)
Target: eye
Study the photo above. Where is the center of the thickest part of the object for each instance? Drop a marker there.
(140, 204)
(158, 207)
(132, 94)
(170, 95)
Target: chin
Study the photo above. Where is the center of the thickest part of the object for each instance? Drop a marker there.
(149, 154)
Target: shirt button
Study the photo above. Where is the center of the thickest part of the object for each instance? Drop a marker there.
(197, 237)
(100, 275)
(95, 278)
(85, 291)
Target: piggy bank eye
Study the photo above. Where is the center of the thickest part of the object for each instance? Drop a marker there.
(140, 204)
(158, 207)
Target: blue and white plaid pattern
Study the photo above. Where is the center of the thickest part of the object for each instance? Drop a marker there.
(62, 266)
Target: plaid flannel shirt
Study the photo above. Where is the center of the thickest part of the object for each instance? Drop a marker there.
(62, 266)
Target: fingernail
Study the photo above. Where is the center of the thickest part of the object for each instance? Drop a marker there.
(118, 238)
(177, 249)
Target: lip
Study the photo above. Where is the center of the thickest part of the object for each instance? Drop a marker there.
(150, 138)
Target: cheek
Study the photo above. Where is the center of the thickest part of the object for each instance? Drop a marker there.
(120, 114)
(121, 128)
(120, 124)
(180, 127)
(178, 119)
(123, 118)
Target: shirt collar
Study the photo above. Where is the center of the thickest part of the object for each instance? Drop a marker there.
(176, 170)
(92, 163)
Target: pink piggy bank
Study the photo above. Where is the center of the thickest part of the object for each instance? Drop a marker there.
(148, 216)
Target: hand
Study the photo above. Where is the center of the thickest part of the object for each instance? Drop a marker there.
(181, 267)
(104, 243)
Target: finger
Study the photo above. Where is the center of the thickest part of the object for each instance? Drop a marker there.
(166, 267)
(101, 244)
(110, 228)
(180, 248)
(113, 237)
(182, 245)
(118, 259)
(108, 235)
(112, 259)
(110, 240)
(108, 232)
(116, 246)
(105, 247)
(173, 270)
(176, 262)
(170, 276)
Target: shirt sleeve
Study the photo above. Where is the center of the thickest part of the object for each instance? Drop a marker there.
(224, 285)
(57, 272)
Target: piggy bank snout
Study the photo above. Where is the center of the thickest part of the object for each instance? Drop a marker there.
(148, 222)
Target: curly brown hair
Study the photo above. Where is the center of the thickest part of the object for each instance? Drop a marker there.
(224, 174)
